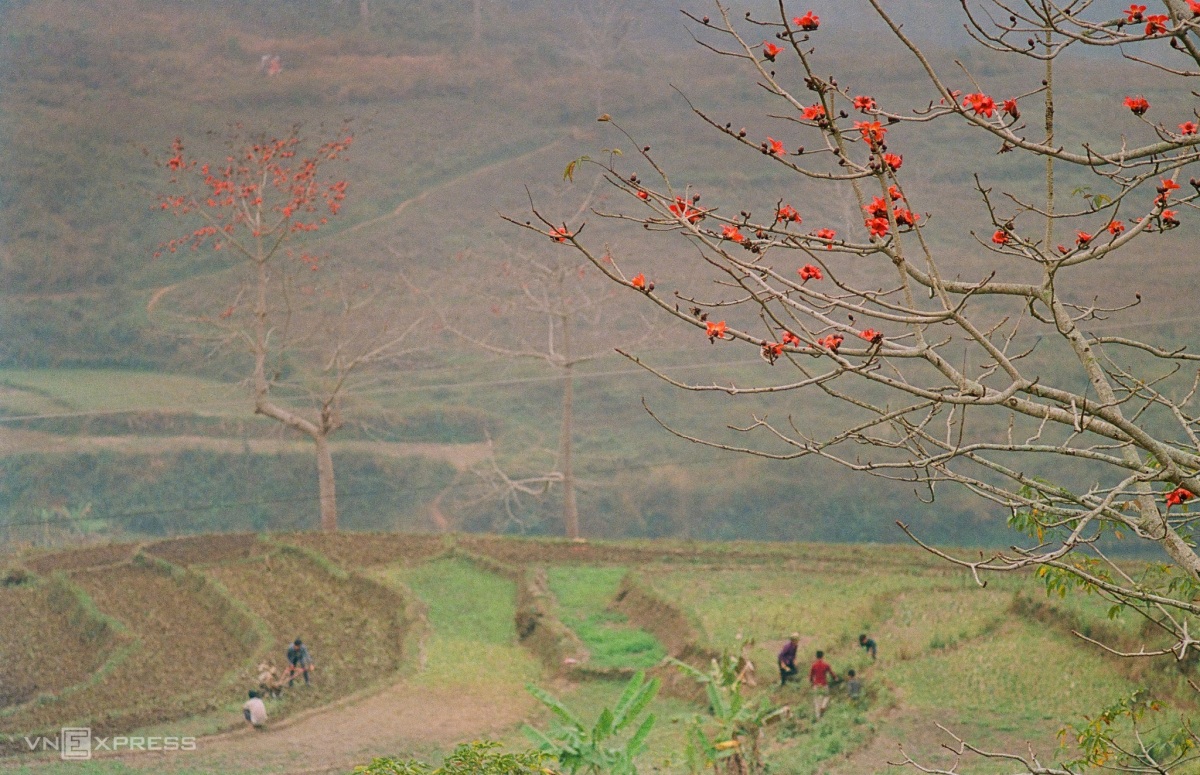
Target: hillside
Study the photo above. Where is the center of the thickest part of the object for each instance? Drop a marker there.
(389, 618)
(114, 424)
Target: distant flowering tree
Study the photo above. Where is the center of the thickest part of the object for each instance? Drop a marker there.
(308, 324)
(992, 381)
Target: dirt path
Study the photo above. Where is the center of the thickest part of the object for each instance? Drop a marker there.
(15, 441)
(401, 718)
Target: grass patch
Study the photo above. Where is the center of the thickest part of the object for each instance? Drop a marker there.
(583, 595)
(471, 612)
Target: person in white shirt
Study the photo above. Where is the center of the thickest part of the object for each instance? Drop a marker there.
(255, 711)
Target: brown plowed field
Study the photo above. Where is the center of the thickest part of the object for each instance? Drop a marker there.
(358, 550)
(42, 652)
(353, 632)
(78, 559)
(176, 672)
(196, 550)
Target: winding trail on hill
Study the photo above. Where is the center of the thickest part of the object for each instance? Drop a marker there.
(15, 441)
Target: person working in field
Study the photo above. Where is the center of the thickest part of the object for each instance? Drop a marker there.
(787, 659)
(255, 711)
(819, 676)
(299, 660)
(868, 645)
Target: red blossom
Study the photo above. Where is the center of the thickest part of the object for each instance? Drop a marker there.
(878, 208)
(872, 132)
(1000, 237)
(878, 226)
(730, 232)
(894, 193)
(808, 22)
(1189, 127)
(770, 51)
(980, 103)
(788, 213)
(810, 272)
(560, 234)
(813, 112)
(714, 331)
(1082, 238)
(1010, 107)
(1116, 228)
(906, 217)
(1169, 218)
(771, 351)
(1178, 497)
(639, 281)
(790, 338)
(893, 161)
(1194, 7)
(827, 234)
(1139, 105)
(681, 208)
(871, 335)
(1157, 24)
(643, 195)
(864, 103)
(832, 342)
(775, 147)
(1133, 14)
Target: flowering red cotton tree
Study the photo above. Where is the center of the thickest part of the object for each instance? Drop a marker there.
(987, 374)
(292, 312)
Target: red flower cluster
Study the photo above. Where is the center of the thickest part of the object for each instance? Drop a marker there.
(1082, 238)
(790, 338)
(906, 217)
(831, 342)
(1168, 218)
(871, 335)
(808, 22)
(730, 232)
(810, 272)
(1116, 228)
(1178, 497)
(878, 208)
(864, 103)
(639, 281)
(1157, 24)
(1000, 237)
(1189, 127)
(1165, 187)
(714, 331)
(681, 208)
(872, 132)
(893, 161)
(775, 147)
(828, 234)
(787, 213)
(813, 112)
(771, 351)
(770, 51)
(560, 234)
(1138, 105)
(981, 104)
(1133, 14)
(878, 226)
(1194, 7)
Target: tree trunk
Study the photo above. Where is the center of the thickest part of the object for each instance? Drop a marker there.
(570, 511)
(328, 490)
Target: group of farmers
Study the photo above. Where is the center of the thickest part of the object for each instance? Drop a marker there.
(820, 674)
(254, 710)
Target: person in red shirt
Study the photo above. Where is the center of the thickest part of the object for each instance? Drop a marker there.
(819, 676)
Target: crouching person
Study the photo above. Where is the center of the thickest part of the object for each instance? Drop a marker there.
(255, 711)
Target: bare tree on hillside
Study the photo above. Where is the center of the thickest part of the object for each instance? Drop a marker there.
(999, 380)
(311, 325)
(549, 307)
